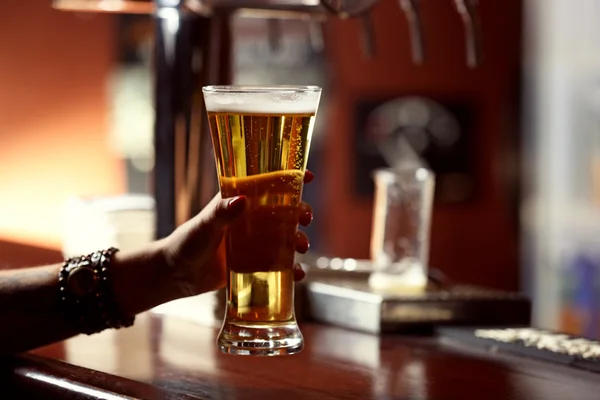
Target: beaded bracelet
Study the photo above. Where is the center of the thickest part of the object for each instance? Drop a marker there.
(86, 293)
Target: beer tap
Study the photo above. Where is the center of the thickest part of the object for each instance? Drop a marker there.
(412, 11)
(470, 17)
(348, 8)
(315, 35)
(274, 34)
(360, 9)
(368, 36)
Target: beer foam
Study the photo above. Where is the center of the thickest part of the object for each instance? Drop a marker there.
(263, 100)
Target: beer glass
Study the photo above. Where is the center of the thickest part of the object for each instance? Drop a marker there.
(261, 137)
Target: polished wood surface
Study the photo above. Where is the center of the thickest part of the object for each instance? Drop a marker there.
(166, 357)
(33, 377)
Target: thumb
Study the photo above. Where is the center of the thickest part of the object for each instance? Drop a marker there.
(225, 211)
(216, 215)
(207, 227)
(198, 237)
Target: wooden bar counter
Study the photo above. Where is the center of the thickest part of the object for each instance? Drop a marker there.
(163, 357)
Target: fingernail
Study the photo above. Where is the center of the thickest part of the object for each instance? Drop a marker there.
(306, 218)
(308, 176)
(299, 273)
(236, 202)
(302, 243)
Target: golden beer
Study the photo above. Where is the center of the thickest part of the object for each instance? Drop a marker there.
(261, 145)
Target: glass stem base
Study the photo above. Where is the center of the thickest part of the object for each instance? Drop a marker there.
(260, 338)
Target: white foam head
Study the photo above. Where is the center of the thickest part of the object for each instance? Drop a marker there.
(262, 99)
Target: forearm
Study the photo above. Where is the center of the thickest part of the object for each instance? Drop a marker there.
(31, 313)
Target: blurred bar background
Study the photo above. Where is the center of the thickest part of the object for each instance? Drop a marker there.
(514, 143)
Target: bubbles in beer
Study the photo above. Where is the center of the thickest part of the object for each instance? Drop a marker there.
(262, 156)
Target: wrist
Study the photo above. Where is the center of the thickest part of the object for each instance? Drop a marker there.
(142, 279)
(174, 280)
(166, 271)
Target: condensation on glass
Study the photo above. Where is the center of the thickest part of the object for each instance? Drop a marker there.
(401, 225)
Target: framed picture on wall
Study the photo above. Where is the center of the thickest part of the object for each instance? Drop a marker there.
(439, 132)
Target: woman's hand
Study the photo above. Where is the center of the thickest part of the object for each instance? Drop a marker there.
(195, 252)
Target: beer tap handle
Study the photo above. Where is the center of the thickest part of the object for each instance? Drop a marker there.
(368, 36)
(315, 33)
(468, 12)
(274, 34)
(412, 11)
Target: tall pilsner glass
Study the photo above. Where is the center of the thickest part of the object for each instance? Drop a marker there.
(261, 137)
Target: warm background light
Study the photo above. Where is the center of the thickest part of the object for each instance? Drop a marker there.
(53, 117)
(116, 6)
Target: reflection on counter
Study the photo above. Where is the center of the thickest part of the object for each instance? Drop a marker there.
(206, 309)
(408, 377)
(364, 350)
(127, 351)
(356, 348)
(182, 349)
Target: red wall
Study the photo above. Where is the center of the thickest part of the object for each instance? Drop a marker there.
(473, 243)
(53, 117)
